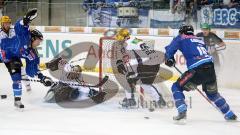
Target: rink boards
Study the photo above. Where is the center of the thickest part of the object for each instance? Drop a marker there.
(54, 43)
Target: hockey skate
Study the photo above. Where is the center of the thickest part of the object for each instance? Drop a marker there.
(128, 103)
(161, 102)
(231, 117)
(3, 96)
(28, 88)
(96, 96)
(152, 106)
(181, 118)
(18, 104)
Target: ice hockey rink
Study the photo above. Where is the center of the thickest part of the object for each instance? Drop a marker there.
(40, 118)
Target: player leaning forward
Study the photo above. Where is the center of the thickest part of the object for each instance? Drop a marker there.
(200, 72)
(16, 43)
(137, 62)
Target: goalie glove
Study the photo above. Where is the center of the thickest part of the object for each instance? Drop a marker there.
(56, 64)
(30, 15)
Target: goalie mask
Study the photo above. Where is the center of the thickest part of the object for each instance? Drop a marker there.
(122, 34)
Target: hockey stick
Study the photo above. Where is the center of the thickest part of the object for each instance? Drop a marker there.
(73, 61)
(209, 101)
(103, 81)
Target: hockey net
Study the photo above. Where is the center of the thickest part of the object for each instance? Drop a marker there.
(107, 53)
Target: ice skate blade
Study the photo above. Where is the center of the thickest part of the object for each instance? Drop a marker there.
(151, 109)
(19, 109)
(129, 107)
(29, 90)
(180, 122)
(232, 121)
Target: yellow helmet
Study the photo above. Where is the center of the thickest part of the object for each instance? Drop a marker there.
(5, 19)
(122, 34)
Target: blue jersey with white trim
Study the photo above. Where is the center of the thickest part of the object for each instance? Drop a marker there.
(192, 48)
(14, 42)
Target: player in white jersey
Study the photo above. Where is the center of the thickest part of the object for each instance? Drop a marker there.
(137, 62)
(63, 91)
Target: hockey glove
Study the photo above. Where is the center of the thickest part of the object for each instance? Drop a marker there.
(31, 14)
(120, 67)
(46, 81)
(170, 62)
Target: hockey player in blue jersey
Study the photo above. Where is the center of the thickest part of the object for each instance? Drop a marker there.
(8, 43)
(14, 45)
(200, 72)
(32, 59)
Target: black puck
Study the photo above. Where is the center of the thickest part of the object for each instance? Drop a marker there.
(3, 96)
(146, 117)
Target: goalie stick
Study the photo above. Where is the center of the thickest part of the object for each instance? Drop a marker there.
(103, 81)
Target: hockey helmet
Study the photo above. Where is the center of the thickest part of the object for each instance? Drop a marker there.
(6, 19)
(36, 34)
(122, 34)
(205, 26)
(186, 29)
(77, 68)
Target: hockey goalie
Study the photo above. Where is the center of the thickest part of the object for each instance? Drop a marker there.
(63, 90)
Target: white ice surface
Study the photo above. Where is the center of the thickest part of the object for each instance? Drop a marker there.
(41, 118)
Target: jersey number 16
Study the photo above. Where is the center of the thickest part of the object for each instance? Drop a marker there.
(202, 50)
